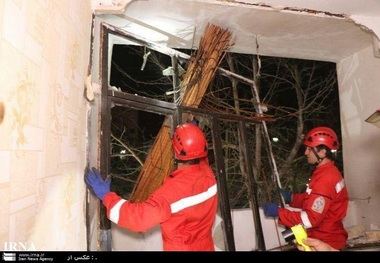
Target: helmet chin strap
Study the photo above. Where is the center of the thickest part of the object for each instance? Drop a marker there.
(316, 155)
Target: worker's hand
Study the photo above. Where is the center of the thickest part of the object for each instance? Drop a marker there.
(315, 245)
(286, 195)
(95, 181)
(271, 209)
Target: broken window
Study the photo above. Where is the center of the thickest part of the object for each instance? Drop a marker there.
(142, 101)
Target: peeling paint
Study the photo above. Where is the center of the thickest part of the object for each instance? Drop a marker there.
(367, 23)
(2, 111)
(276, 7)
(110, 6)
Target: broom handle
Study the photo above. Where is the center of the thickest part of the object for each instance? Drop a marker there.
(266, 135)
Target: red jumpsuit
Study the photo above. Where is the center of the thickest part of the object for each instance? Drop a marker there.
(323, 207)
(185, 206)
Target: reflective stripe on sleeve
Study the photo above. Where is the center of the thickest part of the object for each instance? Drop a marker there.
(339, 186)
(115, 211)
(193, 200)
(305, 220)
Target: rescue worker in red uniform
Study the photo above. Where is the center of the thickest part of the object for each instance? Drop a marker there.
(324, 203)
(185, 205)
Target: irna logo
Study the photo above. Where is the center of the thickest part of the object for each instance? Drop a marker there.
(19, 246)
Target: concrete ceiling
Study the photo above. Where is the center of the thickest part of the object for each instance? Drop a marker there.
(326, 30)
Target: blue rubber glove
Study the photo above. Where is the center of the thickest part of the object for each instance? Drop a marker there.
(286, 195)
(271, 209)
(95, 181)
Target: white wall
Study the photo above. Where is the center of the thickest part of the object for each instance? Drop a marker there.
(359, 91)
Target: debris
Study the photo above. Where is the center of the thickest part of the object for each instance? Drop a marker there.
(355, 231)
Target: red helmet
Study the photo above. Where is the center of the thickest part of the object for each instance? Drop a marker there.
(189, 142)
(322, 135)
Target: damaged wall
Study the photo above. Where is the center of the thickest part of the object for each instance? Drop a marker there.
(44, 50)
(359, 93)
